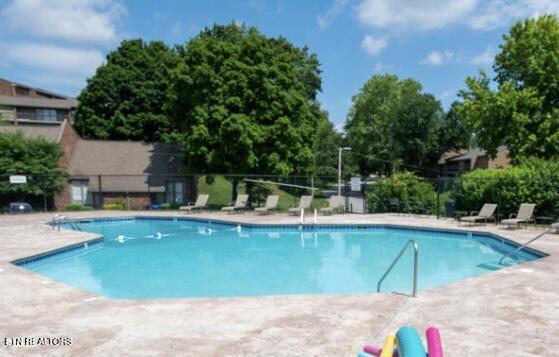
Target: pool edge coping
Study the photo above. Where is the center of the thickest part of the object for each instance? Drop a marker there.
(309, 226)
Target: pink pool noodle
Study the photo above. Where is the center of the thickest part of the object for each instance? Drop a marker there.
(434, 345)
(375, 351)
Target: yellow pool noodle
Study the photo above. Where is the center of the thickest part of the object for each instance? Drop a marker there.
(388, 346)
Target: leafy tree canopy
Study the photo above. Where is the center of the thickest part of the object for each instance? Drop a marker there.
(392, 120)
(125, 97)
(245, 103)
(454, 133)
(20, 155)
(522, 112)
(326, 148)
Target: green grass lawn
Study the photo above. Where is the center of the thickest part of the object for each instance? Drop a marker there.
(221, 188)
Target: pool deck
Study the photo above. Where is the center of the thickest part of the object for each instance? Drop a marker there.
(510, 312)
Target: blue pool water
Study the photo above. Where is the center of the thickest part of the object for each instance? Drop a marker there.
(165, 258)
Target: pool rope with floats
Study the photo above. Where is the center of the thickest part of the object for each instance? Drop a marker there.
(407, 343)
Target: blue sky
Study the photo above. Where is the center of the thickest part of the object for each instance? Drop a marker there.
(57, 44)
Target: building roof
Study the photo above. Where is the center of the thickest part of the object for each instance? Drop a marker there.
(465, 155)
(38, 99)
(49, 131)
(125, 164)
(69, 103)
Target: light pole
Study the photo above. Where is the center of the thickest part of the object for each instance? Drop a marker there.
(340, 150)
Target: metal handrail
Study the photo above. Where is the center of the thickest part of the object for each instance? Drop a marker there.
(415, 261)
(57, 219)
(525, 244)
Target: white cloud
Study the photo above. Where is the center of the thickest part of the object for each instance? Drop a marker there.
(432, 14)
(445, 95)
(425, 14)
(485, 58)
(89, 21)
(55, 59)
(176, 29)
(438, 58)
(373, 45)
(500, 13)
(334, 11)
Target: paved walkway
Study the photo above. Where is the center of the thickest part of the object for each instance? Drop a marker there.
(510, 312)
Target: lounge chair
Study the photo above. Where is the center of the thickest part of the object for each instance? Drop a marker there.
(487, 213)
(271, 204)
(240, 204)
(304, 203)
(335, 203)
(525, 215)
(201, 202)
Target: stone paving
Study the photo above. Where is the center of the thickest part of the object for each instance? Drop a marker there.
(510, 312)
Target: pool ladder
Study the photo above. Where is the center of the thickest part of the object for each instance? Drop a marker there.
(59, 219)
(415, 263)
(525, 244)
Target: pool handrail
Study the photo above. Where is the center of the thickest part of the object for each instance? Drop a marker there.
(525, 244)
(57, 220)
(415, 263)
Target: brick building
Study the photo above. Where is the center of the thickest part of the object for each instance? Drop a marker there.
(100, 171)
(453, 163)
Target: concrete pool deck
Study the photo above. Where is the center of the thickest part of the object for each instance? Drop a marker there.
(510, 312)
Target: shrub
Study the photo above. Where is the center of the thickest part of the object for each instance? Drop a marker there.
(416, 195)
(77, 207)
(534, 181)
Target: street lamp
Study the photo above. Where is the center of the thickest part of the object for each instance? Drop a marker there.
(340, 150)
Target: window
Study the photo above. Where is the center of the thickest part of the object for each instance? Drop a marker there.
(174, 192)
(46, 115)
(78, 191)
(25, 113)
(22, 91)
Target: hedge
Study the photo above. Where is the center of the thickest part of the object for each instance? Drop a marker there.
(533, 181)
(415, 194)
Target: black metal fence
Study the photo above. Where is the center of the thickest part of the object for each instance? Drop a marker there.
(163, 191)
(447, 197)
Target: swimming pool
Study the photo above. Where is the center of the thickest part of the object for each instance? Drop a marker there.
(148, 257)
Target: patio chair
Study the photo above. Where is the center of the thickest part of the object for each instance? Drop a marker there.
(240, 204)
(271, 204)
(201, 203)
(335, 203)
(487, 213)
(395, 205)
(304, 203)
(525, 215)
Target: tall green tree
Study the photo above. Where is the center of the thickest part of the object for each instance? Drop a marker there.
(326, 148)
(245, 103)
(392, 120)
(454, 132)
(126, 96)
(523, 111)
(35, 157)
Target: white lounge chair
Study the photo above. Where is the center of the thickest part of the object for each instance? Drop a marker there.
(201, 202)
(240, 204)
(487, 213)
(335, 203)
(304, 203)
(525, 215)
(271, 204)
